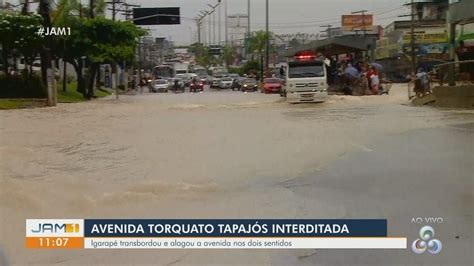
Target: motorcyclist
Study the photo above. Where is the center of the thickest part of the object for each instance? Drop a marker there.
(176, 85)
(194, 85)
(235, 84)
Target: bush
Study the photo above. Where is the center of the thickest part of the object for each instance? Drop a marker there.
(251, 67)
(20, 86)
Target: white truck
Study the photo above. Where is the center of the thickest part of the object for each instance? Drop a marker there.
(181, 68)
(305, 79)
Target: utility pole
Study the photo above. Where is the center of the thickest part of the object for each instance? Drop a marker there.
(213, 12)
(248, 17)
(198, 22)
(220, 15)
(328, 30)
(225, 22)
(209, 30)
(412, 35)
(248, 30)
(363, 19)
(214, 27)
(114, 9)
(267, 50)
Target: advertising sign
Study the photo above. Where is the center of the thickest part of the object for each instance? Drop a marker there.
(426, 37)
(357, 22)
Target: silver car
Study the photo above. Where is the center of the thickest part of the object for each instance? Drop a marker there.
(226, 83)
(160, 85)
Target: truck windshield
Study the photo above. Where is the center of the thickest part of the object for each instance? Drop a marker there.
(306, 70)
(164, 72)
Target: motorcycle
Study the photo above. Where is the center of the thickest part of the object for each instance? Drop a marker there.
(196, 86)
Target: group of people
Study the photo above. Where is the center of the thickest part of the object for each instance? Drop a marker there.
(358, 78)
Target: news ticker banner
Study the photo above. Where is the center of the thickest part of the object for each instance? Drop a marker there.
(210, 234)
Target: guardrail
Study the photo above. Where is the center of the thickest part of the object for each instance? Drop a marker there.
(423, 84)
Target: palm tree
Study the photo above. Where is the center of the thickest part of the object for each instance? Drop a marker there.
(258, 42)
(228, 54)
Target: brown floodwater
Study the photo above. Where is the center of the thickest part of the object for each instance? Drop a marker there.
(234, 155)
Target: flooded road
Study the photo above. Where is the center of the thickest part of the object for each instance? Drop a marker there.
(234, 155)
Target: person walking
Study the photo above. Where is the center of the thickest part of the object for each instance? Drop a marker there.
(374, 80)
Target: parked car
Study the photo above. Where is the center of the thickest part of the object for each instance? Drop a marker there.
(249, 84)
(160, 85)
(271, 85)
(225, 83)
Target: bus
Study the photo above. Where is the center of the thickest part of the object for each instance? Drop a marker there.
(306, 79)
(163, 72)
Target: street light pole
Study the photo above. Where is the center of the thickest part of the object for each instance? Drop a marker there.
(225, 22)
(248, 17)
(214, 20)
(220, 15)
(210, 29)
(248, 31)
(213, 27)
(267, 52)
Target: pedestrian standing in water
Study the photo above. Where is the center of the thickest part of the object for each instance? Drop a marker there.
(374, 80)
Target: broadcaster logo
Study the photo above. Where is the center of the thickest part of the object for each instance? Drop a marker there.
(427, 242)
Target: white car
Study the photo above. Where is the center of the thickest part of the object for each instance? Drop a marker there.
(160, 85)
(226, 83)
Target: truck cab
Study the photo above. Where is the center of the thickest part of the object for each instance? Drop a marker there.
(306, 79)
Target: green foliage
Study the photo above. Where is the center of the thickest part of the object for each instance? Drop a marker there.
(251, 67)
(18, 35)
(204, 59)
(105, 40)
(258, 43)
(73, 96)
(6, 104)
(20, 86)
(228, 55)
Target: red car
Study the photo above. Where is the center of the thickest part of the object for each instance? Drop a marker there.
(271, 85)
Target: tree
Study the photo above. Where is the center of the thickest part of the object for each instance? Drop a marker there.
(101, 39)
(228, 55)
(205, 59)
(258, 42)
(19, 38)
(44, 10)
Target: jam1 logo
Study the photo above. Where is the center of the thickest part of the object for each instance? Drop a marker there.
(427, 242)
(56, 228)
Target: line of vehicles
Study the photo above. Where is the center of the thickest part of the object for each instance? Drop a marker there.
(304, 79)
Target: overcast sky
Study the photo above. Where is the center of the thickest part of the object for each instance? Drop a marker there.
(286, 16)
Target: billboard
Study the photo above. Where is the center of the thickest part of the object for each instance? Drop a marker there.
(426, 37)
(237, 21)
(357, 22)
(156, 16)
